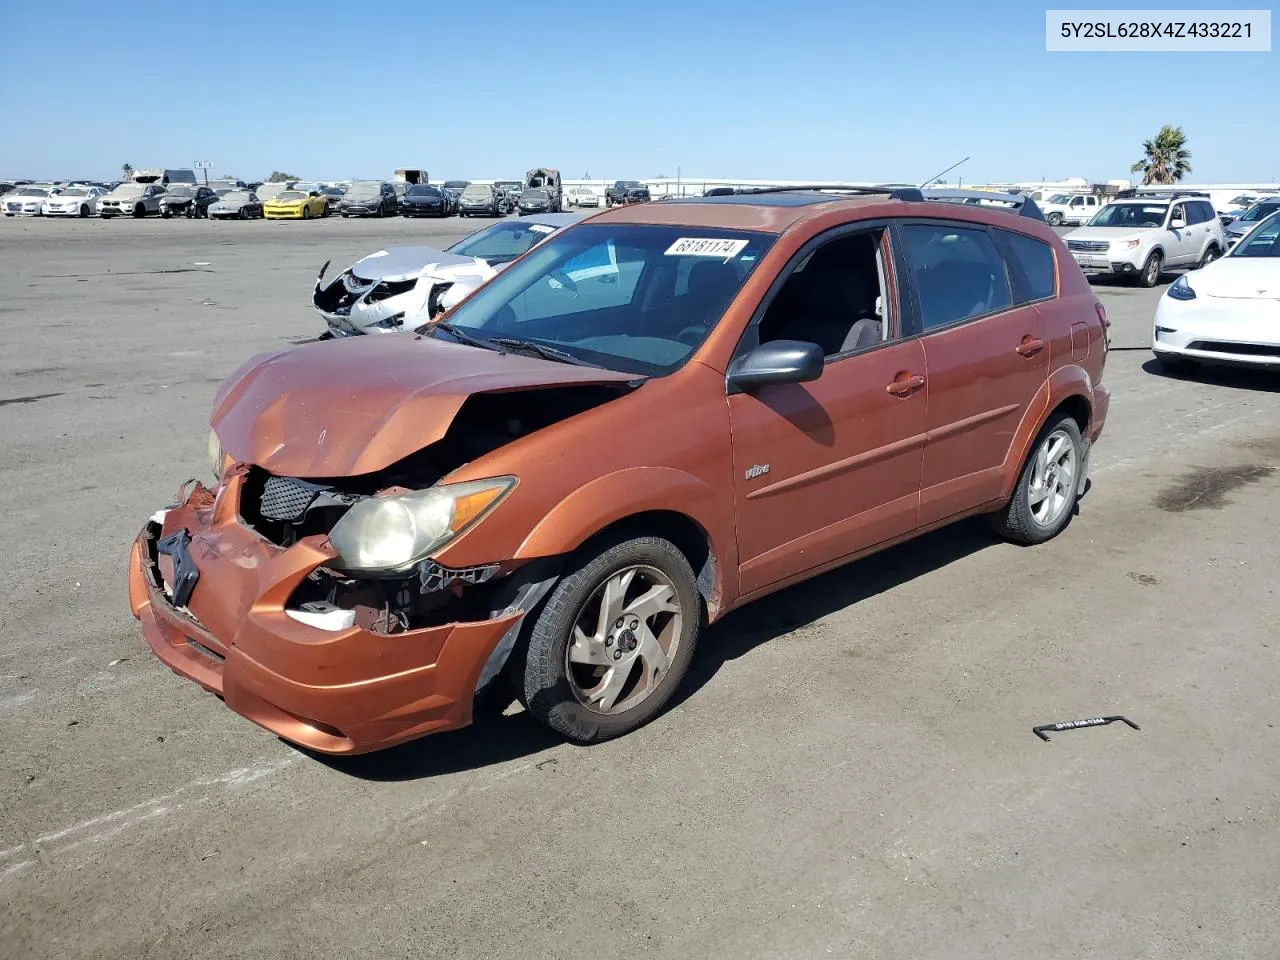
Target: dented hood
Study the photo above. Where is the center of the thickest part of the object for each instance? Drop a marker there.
(348, 407)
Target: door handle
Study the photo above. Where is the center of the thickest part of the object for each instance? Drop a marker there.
(905, 385)
(1029, 346)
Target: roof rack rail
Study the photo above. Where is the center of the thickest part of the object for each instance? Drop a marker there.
(1023, 206)
(1133, 192)
(895, 191)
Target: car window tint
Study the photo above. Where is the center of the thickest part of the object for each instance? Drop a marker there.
(1033, 274)
(958, 273)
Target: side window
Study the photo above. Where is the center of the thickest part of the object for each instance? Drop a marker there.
(958, 273)
(1077, 201)
(1032, 262)
(1178, 212)
(1205, 212)
(833, 297)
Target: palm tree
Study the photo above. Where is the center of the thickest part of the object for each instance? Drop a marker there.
(1167, 158)
(127, 170)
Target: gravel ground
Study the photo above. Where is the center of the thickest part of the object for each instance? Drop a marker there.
(850, 770)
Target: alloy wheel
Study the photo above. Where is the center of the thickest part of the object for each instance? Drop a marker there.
(624, 638)
(1053, 478)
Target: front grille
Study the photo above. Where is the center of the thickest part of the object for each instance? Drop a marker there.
(390, 288)
(285, 509)
(287, 498)
(1240, 349)
(1088, 246)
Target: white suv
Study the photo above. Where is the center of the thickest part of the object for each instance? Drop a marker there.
(1141, 236)
(1071, 208)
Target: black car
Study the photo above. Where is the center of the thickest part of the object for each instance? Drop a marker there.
(482, 200)
(184, 200)
(535, 200)
(369, 198)
(332, 197)
(421, 200)
(618, 192)
(636, 194)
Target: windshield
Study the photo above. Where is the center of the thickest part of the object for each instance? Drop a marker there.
(423, 191)
(75, 192)
(364, 190)
(1262, 241)
(30, 192)
(456, 184)
(235, 196)
(478, 190)
(129, 190)
(1243, 200)
(1262, 208)
(1130, 215)
(181, 192)
(291, 195)
(633, 297)
(503, 241)
(332, 191)
(534, 195)
(1059, 198)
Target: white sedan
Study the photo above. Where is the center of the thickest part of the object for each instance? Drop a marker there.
(27, 201)
(73, 202)
(1227, 312)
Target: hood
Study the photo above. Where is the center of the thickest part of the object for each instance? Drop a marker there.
(350, 407)
(277, 202)
(171, 200)
(362, 201)
(1110, 234)
(401, 263)
(1240, 278)
(228, 204)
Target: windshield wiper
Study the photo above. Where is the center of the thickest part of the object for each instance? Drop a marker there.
(463, 337)
(542, 350)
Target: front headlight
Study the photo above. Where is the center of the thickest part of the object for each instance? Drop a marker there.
(1126, 244)
(387, 534)
(215, 457)
(1181, 290)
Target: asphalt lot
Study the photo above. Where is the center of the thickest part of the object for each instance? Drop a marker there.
(850, 771)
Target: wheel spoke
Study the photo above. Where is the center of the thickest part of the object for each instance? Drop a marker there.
(1057, 447)
(611, 600)
(587, 649)
(655, 600)
(651, 652)
(1036, 494)
(605, 694)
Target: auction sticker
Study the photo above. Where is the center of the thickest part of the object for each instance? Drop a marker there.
(541, 228)
(705, 247)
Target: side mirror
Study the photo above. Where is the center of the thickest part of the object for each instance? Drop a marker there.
(779, 361)
(1177, 224)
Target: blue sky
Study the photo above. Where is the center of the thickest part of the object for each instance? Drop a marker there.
(799, 90)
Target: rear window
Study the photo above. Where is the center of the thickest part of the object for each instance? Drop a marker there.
(958, 273)
(1033, 267)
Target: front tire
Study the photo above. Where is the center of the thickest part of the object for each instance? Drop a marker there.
(139, 212)
(613, 640)
(1047, 490)
(84, 211)
(1054, 219)
(306, 213)
(1150, 274)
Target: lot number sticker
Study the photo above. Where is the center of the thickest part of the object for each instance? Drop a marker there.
(705, 247)
(541, 228)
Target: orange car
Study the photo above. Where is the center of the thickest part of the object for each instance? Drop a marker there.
(660, 414)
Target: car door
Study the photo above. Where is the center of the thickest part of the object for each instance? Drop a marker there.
(829, 468)
(986, 357)
(1075, 210)
(1182, 240)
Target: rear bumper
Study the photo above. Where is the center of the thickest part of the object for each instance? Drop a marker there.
(344, 692)
(1101, 407)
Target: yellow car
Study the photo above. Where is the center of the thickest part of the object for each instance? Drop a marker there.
(295, 205)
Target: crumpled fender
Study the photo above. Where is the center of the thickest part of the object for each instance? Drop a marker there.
(1069, 380)
(616, 496)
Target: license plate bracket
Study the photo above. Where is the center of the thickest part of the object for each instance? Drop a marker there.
(185, 574)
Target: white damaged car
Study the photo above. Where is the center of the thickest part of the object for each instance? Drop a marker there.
(400, 288)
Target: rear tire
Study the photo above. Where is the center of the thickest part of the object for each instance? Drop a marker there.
(556, 687)
(1150, 274)
(1211, 254)
(1033, 515)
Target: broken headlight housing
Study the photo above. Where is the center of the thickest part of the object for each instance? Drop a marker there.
(215, 456)
(390, 534)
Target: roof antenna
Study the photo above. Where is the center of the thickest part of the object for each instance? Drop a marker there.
(937, 175)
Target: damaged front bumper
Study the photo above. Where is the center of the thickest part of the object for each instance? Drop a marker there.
(218, 605)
